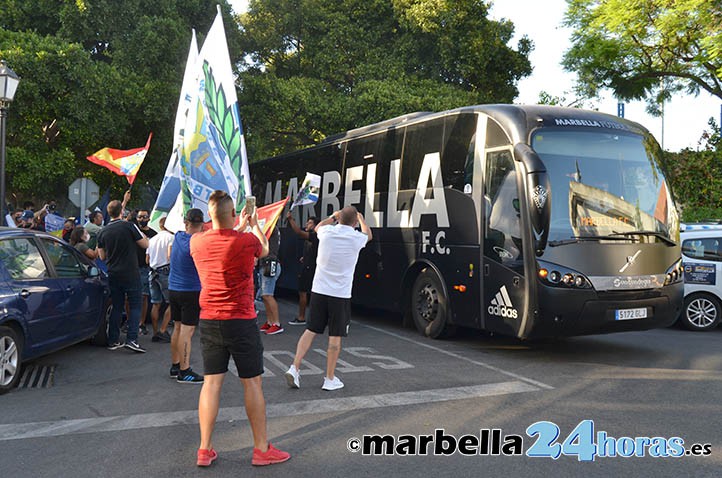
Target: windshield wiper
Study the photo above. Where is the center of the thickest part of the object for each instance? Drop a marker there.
(576, 239)
(656, 234)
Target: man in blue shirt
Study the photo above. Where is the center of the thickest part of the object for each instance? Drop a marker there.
(184, 288)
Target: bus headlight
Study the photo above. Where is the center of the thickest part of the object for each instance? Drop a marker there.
(558, 276)
(675, 273)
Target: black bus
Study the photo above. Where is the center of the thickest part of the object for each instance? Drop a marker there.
(530, 221)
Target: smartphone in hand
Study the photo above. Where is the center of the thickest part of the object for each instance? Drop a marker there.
(250, 207)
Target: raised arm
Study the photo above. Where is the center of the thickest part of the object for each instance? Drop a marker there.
(258, 232)
(292, 222)
(243, 223)
(364, 227)
(329, 220)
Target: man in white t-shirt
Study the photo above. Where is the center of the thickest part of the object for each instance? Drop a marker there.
(338, 251)
(157, 256)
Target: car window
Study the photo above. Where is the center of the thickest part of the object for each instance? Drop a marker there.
(703, 248)
(22, 259)
(64, 260)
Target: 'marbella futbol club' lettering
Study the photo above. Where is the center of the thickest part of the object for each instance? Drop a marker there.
(429, 177)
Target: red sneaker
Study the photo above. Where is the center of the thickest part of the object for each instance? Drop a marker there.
(265, 327)
(206, 457)
(271, 457)
(274, 329)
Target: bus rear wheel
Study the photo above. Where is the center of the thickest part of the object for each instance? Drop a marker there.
(701, 312)
(429, 306)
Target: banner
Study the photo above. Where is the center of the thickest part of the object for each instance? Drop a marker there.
(54, 224)
(308, 194)
(122, 162)
(169, 202)
(268, 216)
(213, 155)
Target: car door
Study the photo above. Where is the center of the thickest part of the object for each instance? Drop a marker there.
(84, 296)
(39, 300)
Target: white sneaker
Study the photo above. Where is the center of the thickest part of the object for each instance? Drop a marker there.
(292, 378)
(331, 384)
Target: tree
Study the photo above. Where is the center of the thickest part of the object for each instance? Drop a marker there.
(696, 177)
(645, 49)
(316, 68)
(108, 72)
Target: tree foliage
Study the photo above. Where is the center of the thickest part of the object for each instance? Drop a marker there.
(646, 48)
(316, 68)
(108, 72)
(696, 177)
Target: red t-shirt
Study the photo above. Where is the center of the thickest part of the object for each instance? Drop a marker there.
(224, 259)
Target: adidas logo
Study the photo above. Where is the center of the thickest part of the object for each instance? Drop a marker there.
(501, 305)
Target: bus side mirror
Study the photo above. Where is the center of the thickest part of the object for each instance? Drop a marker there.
(538, 194)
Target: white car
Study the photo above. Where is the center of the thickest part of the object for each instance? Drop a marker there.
(702, 259)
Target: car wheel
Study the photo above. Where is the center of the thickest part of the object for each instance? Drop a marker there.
(429, 306)
(101, 336)
(701, 312)
(11, 348)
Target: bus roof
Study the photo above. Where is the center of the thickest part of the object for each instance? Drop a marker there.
(511, 116)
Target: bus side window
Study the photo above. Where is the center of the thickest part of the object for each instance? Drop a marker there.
(502, 234)
(457, 163)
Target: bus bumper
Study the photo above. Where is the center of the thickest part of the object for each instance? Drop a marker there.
(559, 309)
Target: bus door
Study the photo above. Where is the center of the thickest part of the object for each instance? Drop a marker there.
(503, 300)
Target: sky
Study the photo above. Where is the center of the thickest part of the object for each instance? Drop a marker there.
(685, 117)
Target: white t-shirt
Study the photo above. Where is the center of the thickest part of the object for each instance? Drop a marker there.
(157, 250)
(338, 249)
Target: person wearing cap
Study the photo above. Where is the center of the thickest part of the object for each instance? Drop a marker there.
(26, 219)
(184, 289)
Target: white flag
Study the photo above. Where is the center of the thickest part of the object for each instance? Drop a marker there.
(308, 193)
(169, 202)
(213, 155)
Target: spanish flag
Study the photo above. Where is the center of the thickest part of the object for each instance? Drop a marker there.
(122, 162)
(268, 216)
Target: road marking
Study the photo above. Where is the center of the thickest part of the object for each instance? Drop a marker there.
(455, 355)
(20, 431)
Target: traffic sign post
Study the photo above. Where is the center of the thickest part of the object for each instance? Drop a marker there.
(82, 193)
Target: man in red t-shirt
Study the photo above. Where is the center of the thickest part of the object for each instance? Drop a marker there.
(224, 260)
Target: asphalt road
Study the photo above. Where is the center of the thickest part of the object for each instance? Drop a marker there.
(117, 413)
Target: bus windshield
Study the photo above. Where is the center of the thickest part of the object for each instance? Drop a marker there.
(605, 184)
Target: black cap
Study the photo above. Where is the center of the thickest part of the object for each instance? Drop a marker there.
(195, 216)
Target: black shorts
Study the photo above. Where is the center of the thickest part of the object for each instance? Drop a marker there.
(305, 278)
(237, 338)
(184, 307)
(333, 312)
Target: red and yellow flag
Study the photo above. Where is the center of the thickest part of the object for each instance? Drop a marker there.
(268, 216)
(122, 162)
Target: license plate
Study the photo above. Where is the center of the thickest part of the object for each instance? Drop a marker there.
(630, 314)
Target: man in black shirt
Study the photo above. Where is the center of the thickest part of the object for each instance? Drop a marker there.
(308, 264)
(117, 246)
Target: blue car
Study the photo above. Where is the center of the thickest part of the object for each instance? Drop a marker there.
(51, 296)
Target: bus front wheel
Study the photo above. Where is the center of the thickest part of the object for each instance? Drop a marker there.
(429, 305)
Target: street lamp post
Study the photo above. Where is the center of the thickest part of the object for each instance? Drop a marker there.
(8, 85)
